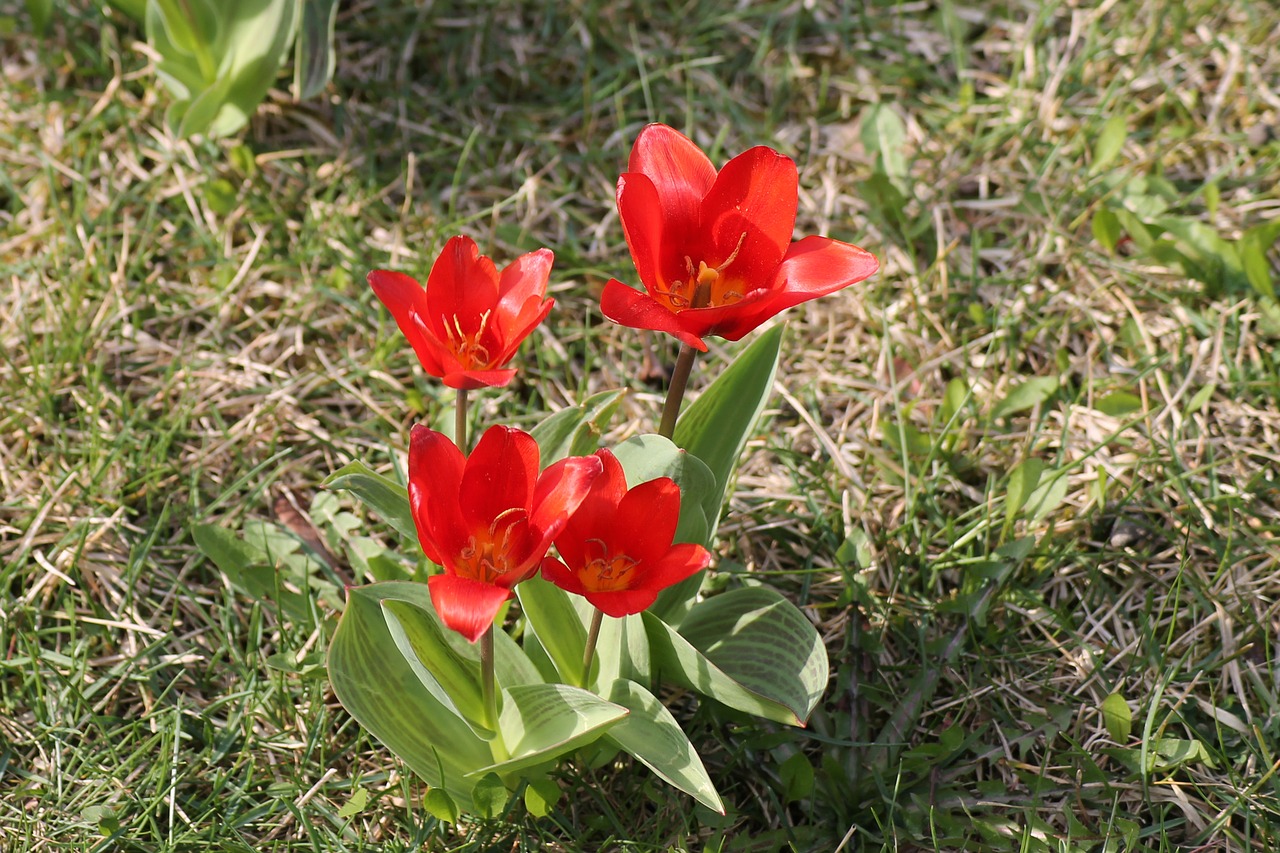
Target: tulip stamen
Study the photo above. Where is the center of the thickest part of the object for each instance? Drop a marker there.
(467, 346)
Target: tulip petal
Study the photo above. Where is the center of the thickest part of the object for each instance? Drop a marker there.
(562, 576)
(465, 605)
(749, 215)
(677, 564)
(645, 521)
(645, 226)
(469, 380)
(680, 172)
(462, 285)
(524, 279)
(499, 475)
(594, 516)
(407, 302)
(517, 328)
(813, 267)
(622, 602)
(560, 491)
(435, 473)
(627, 306)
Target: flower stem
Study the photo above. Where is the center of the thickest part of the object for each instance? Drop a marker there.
(675, 393)
(486, 679)
(460, 421)
(590, 651)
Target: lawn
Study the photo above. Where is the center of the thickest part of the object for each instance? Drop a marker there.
(1024, 480)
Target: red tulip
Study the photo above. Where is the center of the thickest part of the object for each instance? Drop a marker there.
(713, 250)
(468, 322)
(616, 549)
(488, 518)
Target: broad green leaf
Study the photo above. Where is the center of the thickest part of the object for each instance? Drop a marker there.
(385, 496)
(257, 42)
(490, 796)
(1119, 403)
(540, 795)
(313, 56)
(1117, 717)
(440, 805)
(622, 651)
(229, 552)
(716, 427)
(355, 804)
(1254, 245)
(1110, 143)
(555, 624)
(136, 9)
(1023, 480)
(40, 11)
(1027, 395)
(541, 722)
(1201, 397)
(576, 431)
(654, 737)
(797, 777)
(765, 643)
(648, 457)
(453, 679)
(1047, 497)
(382, 691)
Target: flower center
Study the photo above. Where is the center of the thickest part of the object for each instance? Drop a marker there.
(487, 555)
(704, 286)
(608, 572)
(467, 346)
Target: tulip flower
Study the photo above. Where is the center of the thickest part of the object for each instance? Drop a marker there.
(488, 518)
(468, 322)
(713, 249)
(616, 549)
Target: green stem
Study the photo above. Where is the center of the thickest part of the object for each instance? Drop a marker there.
(486, 679)
(590, 651)
(675, 393)
(460, 421)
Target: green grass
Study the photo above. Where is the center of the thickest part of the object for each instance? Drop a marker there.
(187, 337)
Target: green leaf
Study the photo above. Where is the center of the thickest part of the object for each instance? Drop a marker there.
(541, 722)
(383, 692)
(648, 457)
(1117, 717)
(555, 624)
(654, 737)
(884, 133)
(453, 678)
(1023, 480)
(622, 651)
(1119, 403)
(797, 777)
(576, 431)
(1027, 395)
(1253, 247)
(1201, 397)
(354, 805)
(385, 496)
(40, 11)
(540, 795)
(762, 641)
(1047, 497)
(1106, 228)
(716, 427)
(1110, 142)
(228, 552)
(490, 796)
(440, 805)
(314, 58)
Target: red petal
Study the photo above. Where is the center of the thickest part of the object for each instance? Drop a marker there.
(813, 267)
(523, 280)
(629, 307)
(755, 195)
(646, 518)
(680, 562)
(500, 475)
(407, 302)
(681, 173)
(593, 519)
(465, 605)
(560, 491)
(462, 285)
(472, 379)
(562, 576)
(517, 328)
(435, 472)
(645, 225)
(622, 602)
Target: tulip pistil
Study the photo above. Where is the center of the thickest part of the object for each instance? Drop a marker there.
(470, 352)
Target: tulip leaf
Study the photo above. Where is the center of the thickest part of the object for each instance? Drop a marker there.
(556, 625)
(313, 58)
(765, 643)
(648, 457)
(622, 651)
(385, 496)
(715, 428)
(654, 737)
(541, 722)
(453, 679)
(576, 431)
(382, 691)
(750, 649)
